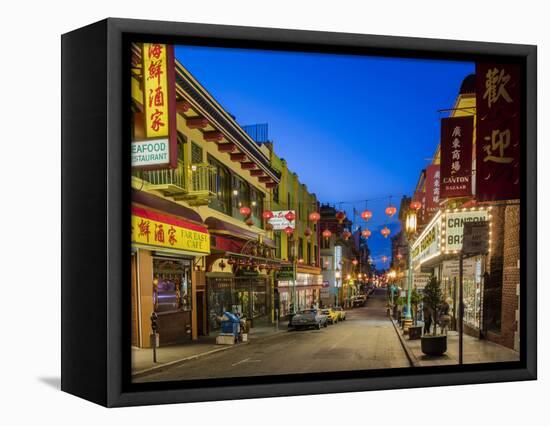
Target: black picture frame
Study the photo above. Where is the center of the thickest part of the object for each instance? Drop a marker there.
(96, 211)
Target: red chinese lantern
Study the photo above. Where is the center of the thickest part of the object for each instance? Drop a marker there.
(307, 232)
(355, 262)
(390, 211)
(327, 234)
(249, 221)
(366, 215)
(245, 211)
(366, 233)
(415, 205)
(314, 217)
(289, 230)
(290, 216)
(385, 231)
(268, 214)
(340, 216)
(346, 235)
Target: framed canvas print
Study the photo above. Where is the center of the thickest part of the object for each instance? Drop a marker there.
(252, 212)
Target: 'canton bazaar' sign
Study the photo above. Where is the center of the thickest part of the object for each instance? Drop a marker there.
(456, 156)
(160, 230)
(427, 245)
(498, 131)
(454, 226)
(433, 190)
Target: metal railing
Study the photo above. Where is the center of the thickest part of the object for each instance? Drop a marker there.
(203, 178)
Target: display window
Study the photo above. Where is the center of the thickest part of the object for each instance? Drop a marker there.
(171, 284)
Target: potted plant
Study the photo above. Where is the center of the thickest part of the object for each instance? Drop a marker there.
(434, 344)
(400, 302)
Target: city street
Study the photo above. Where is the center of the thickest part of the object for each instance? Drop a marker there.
(366, 340)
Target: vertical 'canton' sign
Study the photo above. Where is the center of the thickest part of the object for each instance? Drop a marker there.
(159, 149)
(456, 156)
(433, 190)
(498, 133)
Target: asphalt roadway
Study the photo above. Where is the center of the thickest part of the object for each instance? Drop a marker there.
(366, 340)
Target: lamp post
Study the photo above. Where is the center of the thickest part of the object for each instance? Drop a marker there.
(337, 275)
(410, 229)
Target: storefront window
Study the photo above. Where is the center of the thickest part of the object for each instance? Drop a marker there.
(171, 284)
(257, 207)
(219, 300)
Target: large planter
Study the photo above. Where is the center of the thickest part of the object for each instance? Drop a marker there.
(434, 345)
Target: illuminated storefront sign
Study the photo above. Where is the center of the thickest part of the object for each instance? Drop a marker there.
(155, 229)
(427, 245)
(454, 226)
(150, 152)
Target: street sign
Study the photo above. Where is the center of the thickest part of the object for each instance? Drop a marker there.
(475, 238)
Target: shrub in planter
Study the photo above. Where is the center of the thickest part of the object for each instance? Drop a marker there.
(433, 344)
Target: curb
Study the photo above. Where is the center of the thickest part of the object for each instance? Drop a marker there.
(146, 371)
(413, 360)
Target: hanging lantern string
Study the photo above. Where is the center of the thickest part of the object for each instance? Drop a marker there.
(338, 203)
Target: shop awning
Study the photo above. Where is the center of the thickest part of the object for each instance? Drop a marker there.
(218, 226)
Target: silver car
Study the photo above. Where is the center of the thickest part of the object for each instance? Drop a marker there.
(308, 318)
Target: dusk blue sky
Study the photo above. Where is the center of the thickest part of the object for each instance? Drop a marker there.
(353, 128)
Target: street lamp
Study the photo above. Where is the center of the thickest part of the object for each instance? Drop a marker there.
(337, 275)
(410, 229)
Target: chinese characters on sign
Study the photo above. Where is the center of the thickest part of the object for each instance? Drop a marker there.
(456, 156)
(498, 130)
(158, 147)
(433, 189)
(151, 228)
(155, 86)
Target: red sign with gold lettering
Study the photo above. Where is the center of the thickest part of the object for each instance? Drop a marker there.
(456, 156)
(498, 133)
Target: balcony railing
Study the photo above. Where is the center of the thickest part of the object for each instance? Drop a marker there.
(196, 184)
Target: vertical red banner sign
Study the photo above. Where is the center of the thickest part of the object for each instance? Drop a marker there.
(456, 156)
(498, 132)
(433, 190)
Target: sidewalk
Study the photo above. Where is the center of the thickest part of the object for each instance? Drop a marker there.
(475, 350)
(142, 359)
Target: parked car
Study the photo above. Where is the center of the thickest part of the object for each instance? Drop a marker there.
(341, 313)
(332, 315)
(308, 318)
(359, 300)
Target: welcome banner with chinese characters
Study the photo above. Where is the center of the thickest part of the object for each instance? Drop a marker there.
(498, 133)
(456, 156)
(156, 229)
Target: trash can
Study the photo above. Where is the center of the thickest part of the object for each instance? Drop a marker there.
(231, 324)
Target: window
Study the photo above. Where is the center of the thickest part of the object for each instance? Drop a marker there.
(325, 243)
(300, 248)
(276, 194)
(316, 254)
(278, 245)
(171, 285)
(221, 186)
(309, 259)
(196, 153)
(326, 263)
(240, 196)
(257, 206)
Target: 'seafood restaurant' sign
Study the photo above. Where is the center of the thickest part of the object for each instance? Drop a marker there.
(150, 152)
(156, 229)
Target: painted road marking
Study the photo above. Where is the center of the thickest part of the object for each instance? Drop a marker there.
(245, 360)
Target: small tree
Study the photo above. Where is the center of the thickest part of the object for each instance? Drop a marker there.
(433, 298)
